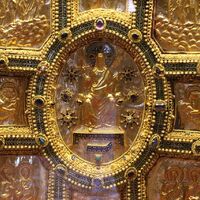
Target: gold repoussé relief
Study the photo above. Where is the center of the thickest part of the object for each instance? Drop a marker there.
(24, 23)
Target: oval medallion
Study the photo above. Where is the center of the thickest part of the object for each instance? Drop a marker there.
(99, 102)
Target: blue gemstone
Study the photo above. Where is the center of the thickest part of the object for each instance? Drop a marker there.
(155, 141)
(97, 182)
(42, 140)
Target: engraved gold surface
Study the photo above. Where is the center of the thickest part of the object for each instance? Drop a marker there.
(22, 177)
(176, 25)
(24, 23)
(174, 179)
(164, 48)
(12, 101)
(187, 96)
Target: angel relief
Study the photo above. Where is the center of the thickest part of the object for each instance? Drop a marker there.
(100, 104)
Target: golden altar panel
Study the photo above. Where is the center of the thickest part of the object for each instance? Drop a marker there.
(99, 99)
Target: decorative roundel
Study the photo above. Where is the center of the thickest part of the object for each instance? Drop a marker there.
(97, 104)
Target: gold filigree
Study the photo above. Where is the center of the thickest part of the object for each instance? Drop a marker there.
(130, 118)
(72, 74)
(68, 118)
(66, 95)
(133, 94)
(182, 135)
(78, 163)
(128, 74)
(105, 13)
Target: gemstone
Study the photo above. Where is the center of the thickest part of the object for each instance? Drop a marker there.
(43, 68)
(42, 140)
(98, 158)
(39, 102)
(97, 183)
(160, 106)
(2, 62)
(197, 149)
(159, 70)
(154, 143)
(100, 24)
(64, 35)
(135, 36)
(133, 97)
(131, 175)
(73, 157)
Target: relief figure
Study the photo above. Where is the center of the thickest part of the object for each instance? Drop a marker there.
(172, 188)
(177, 25)
(98, 104)
(12, 101)
(189, 108)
